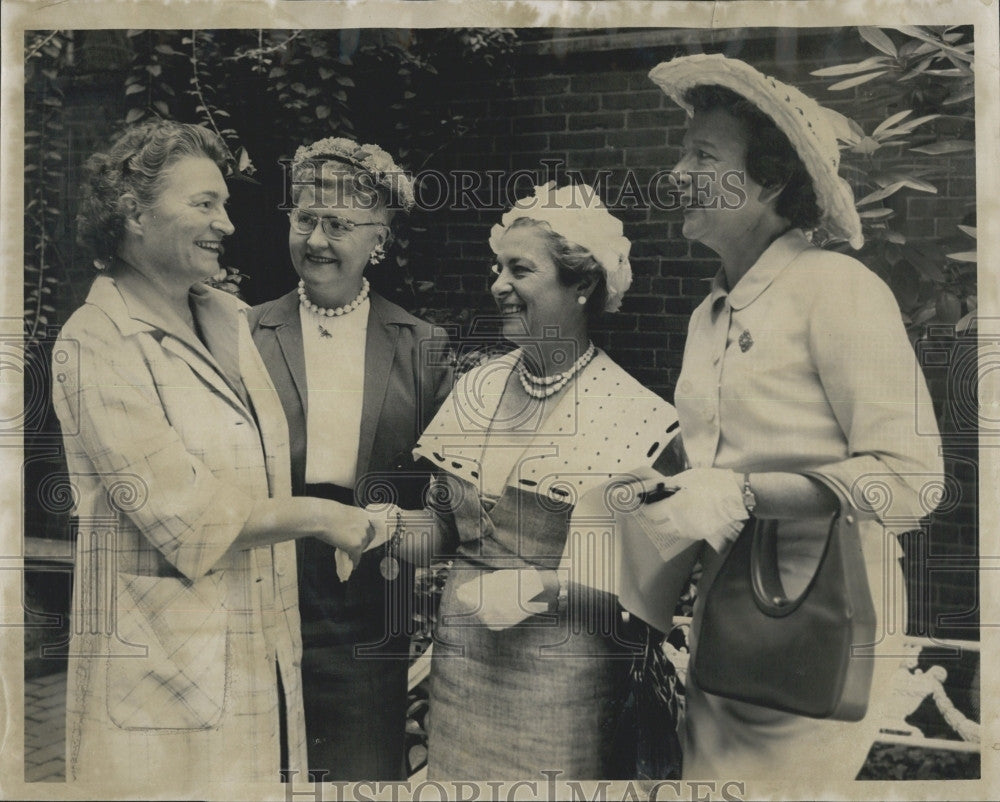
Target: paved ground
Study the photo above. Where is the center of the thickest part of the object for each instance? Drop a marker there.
(44, 739)
(45, 728)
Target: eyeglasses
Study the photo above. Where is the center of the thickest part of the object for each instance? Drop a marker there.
(333, 227)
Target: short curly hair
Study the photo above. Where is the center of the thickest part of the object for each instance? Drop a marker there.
(771, 159)
(134, 165)
(573, 262)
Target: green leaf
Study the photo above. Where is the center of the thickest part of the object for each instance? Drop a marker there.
(326, 73)
(880, 194)
(909, 125)
(161, 107)
(876, 214)
(167, 50)
(322, 112)
(917, 69)
(154, 69)
(964, 256)
(878, 39)
(851, 69)
(850, 83)
(946, 146)
(970, 230)
(135, 89)
(891, 121)
(134, 115)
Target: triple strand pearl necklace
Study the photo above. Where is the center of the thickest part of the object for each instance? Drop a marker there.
(338, 311)
(544, 386)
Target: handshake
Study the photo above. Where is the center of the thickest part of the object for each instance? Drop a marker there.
(363, 530)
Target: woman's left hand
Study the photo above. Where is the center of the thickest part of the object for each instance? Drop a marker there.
(707, 505)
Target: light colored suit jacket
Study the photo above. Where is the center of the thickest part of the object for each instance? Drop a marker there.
(176, 640)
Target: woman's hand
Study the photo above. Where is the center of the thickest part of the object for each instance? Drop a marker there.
(502, 599)
(707, 505)
(347, 528)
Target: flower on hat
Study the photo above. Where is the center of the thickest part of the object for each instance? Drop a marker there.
(369, 158)
(577, 213)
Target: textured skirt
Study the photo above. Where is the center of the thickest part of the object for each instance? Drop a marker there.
(544, 695)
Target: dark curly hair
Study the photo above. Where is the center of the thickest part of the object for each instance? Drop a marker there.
(771, 159)
(573, 262)
(134, 165)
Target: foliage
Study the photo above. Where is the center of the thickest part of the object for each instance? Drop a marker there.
(924, 75)
(265, 92)
(47, 53)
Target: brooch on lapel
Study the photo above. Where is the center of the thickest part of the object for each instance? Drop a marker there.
(745, 341)
(324, 333)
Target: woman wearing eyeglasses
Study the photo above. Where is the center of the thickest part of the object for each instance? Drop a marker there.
(358, 377)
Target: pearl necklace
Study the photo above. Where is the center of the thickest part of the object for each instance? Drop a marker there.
(544, 386)
(340, 310)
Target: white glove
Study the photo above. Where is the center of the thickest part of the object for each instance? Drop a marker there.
(502, 599)
(707, 505)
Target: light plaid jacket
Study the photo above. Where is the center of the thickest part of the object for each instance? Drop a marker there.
(176, 641)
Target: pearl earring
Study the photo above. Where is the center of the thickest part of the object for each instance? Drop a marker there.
(582, 300)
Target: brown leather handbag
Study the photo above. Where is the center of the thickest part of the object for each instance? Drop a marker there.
(757, 645)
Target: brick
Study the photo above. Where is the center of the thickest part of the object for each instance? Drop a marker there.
(578, 141)
(657, 156)
(671, 287)
(601, 82)
(596, 121)
(519, 142)
(641, 285)
(632, 101)
(541, 85)
(547, 123)
(517, 107)
(572, 103)
(595, 159)
(638, 138)
(655, 119)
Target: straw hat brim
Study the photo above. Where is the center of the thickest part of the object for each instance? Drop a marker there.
(809, 127)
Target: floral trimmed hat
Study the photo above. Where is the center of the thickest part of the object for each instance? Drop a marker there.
(576, 213)
(369, 159)
(811, 128)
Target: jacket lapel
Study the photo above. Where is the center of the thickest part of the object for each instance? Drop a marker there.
(137, 308)
(380, 351)
(283, 316)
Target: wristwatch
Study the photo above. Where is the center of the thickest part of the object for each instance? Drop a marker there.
(749, 499)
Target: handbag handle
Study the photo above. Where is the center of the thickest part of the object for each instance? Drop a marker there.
(765, 577)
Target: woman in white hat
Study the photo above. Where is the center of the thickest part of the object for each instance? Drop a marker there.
(796, 361)
(531, 663)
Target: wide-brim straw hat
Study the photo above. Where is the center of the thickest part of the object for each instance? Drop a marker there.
(810, 127)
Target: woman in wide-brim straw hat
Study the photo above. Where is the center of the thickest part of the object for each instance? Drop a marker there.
(797, 360)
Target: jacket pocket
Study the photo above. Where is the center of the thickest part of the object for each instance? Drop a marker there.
(180, 684)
